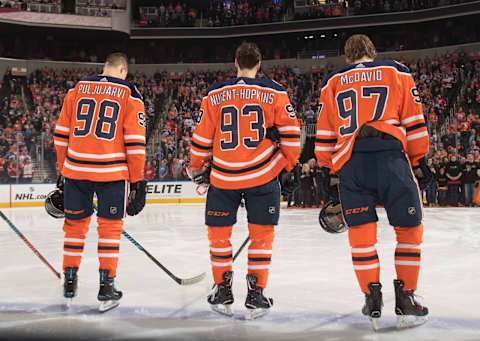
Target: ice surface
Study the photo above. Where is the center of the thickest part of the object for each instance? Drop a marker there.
(315, 293)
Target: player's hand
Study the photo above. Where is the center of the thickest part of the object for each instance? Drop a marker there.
(137, 197)
(60, 182)
(422, 173)
(200, 176)
(273, 134)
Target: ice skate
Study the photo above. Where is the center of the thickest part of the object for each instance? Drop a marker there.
(257, 304)
(409, 312)
(373, 304)
(221, 297)
(70, 285)
(108, 295)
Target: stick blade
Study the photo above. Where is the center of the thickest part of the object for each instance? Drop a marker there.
(193, 280)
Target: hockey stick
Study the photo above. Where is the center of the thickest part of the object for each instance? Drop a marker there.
(35, 251)
(240, 249)
(181, 281)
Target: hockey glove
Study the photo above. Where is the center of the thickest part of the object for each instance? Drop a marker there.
(137, 197)
(330, 185)
(200, 176)
(273, 134)
(60, 182)
(423, 174)
(289, 181)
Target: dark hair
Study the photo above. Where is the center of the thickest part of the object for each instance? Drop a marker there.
(248, 55)
(359, 46)
(117, 59)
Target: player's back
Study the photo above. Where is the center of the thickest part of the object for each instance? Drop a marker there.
(236, 114)
(381, 94)
(92, 124)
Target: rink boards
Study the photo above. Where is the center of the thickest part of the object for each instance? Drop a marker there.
(27, 195)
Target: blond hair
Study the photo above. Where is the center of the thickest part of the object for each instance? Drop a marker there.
(359, 46)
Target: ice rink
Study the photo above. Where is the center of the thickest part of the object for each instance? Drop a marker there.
(316, 296)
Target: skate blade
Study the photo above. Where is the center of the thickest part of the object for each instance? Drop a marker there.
(223, 309)
(409, 321)
(252, 314)
(108, 305)
(374, 323)
(68, 302)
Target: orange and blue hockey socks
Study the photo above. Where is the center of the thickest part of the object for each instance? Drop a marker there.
(363, 239)
(220, 251)
(260, 252)
(109, 233)
(74, 241)
(407, 255)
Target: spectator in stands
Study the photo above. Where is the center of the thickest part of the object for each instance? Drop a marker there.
(469, 177)
(431, 190)
(27, 171)
(454, 174)
(442, 187)
(149, 171)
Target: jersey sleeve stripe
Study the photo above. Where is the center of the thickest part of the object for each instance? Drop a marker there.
(202, 139)
(288, 128)
(231, 178)
(62, 128)
(59, 143)
(246, 163)
(326, 140)
(412, 119)
(96, 170)
(290, 144)
(196, 145)
(61, 136)
(289, 136)
(135, 151)
(417, 135)
(193, 151)
(95, 156)
(134, 137)
(416, 126)
(132, 144)
(392, 121)
(341, 153)
(326, 133)
(324, 149)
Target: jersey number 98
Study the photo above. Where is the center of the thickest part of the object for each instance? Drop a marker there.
(106, 125)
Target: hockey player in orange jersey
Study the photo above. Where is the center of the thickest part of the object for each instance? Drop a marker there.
(100, 143)
(237, 118)
(370, 131)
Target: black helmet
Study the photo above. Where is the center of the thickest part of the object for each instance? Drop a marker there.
(54, 204)
(331, 218)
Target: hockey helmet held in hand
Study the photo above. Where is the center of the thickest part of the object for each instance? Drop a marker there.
(54, 204)
(331, 218)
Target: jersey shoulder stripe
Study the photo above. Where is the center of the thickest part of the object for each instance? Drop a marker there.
(387, 62)
(261, 82)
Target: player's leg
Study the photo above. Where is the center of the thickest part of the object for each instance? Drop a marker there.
(404, 210)
(112, 198)
(78, 196)
(357, 189)
(220, 215)
(263, 210)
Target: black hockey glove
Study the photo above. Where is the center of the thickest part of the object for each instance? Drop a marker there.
(200, 176)
(423, 174)
(330, 185)
(289, 181)
(60, 182)
(137, 197)
(273, 134)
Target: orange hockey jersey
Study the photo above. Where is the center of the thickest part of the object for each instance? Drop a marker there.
(100, 134)
(381, 94)
(235, 115)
